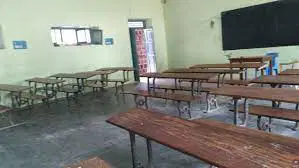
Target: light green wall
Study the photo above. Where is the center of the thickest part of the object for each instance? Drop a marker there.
(191, 40)
(31, 20)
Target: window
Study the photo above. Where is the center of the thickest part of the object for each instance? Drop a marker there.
(72, 36)
(136, 24)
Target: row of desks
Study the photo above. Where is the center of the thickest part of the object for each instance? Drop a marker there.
(216, 143)
(50, 85)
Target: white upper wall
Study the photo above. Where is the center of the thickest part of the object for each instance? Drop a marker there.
(191, 40)
(31, 20)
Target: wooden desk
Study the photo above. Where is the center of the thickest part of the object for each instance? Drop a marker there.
(95, 162)
(46, 82)
(104, 74)
(15, 93)
(125, 70)
(15, 96)
(219, 72)
(192, 76)
(277, 80)
(260, 59)
(270, 94)
(290, 72)
(251, 59)
(117, 68)
(13, 88)
(257, 66)
(216, 143)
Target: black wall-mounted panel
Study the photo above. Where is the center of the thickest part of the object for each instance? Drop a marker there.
(266, 25)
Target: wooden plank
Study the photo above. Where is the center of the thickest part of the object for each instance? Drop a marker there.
(277, 80)
(194, 76)
(95, 162)
(162, 95)
(117, 69)
(221, 71)
(270, 94)
(13, 88)
(251, 59)
(279, 113)
(235, 65)
(95, 73)
(45, 80)
(290, 72)
(73, 75)
(216, 143)
(231, 82)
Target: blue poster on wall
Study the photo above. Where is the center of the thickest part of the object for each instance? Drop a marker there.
(109, 41)
(19, 44)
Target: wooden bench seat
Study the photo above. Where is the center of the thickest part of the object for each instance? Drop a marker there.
(167, 96)
(182, 88)
(33, 96)
(216, 143)
(172, 87)
(4, 109)
(265, 111)
(95, 84)
(68, 91)
(232, 82)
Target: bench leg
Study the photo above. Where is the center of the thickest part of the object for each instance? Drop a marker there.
(270, 124)
(135, 99)
(236, 115)
(146, 102)
(122, 86)
(149, 154)
(165, 91)
(133, 149)
(208, 103)
(189, 109)
(211, 101)
(245, 114)
(296, 127)
(179, 109)
(264, 125)
(116, 88)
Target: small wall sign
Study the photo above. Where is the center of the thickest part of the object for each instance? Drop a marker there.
(19, 44)
(109, 41)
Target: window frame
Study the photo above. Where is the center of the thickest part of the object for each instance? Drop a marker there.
(76, 29)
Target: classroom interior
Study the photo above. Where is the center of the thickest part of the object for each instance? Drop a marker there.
(144, 83)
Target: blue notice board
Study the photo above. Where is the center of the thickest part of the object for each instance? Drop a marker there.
(19, 44)
(109, 41)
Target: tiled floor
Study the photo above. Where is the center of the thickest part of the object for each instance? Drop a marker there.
(62, 135)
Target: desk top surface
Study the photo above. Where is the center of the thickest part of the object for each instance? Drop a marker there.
(13, 88)
(251, 59)
(194, 70)
(117, 68)
(290, 72)
(95, 73)
(219, 144)
(45, 80)
(279, 79)
(73, 75)
(270, 94)
(193, 76)
(234, 65)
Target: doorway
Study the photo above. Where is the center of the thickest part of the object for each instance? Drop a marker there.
(142, 47)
